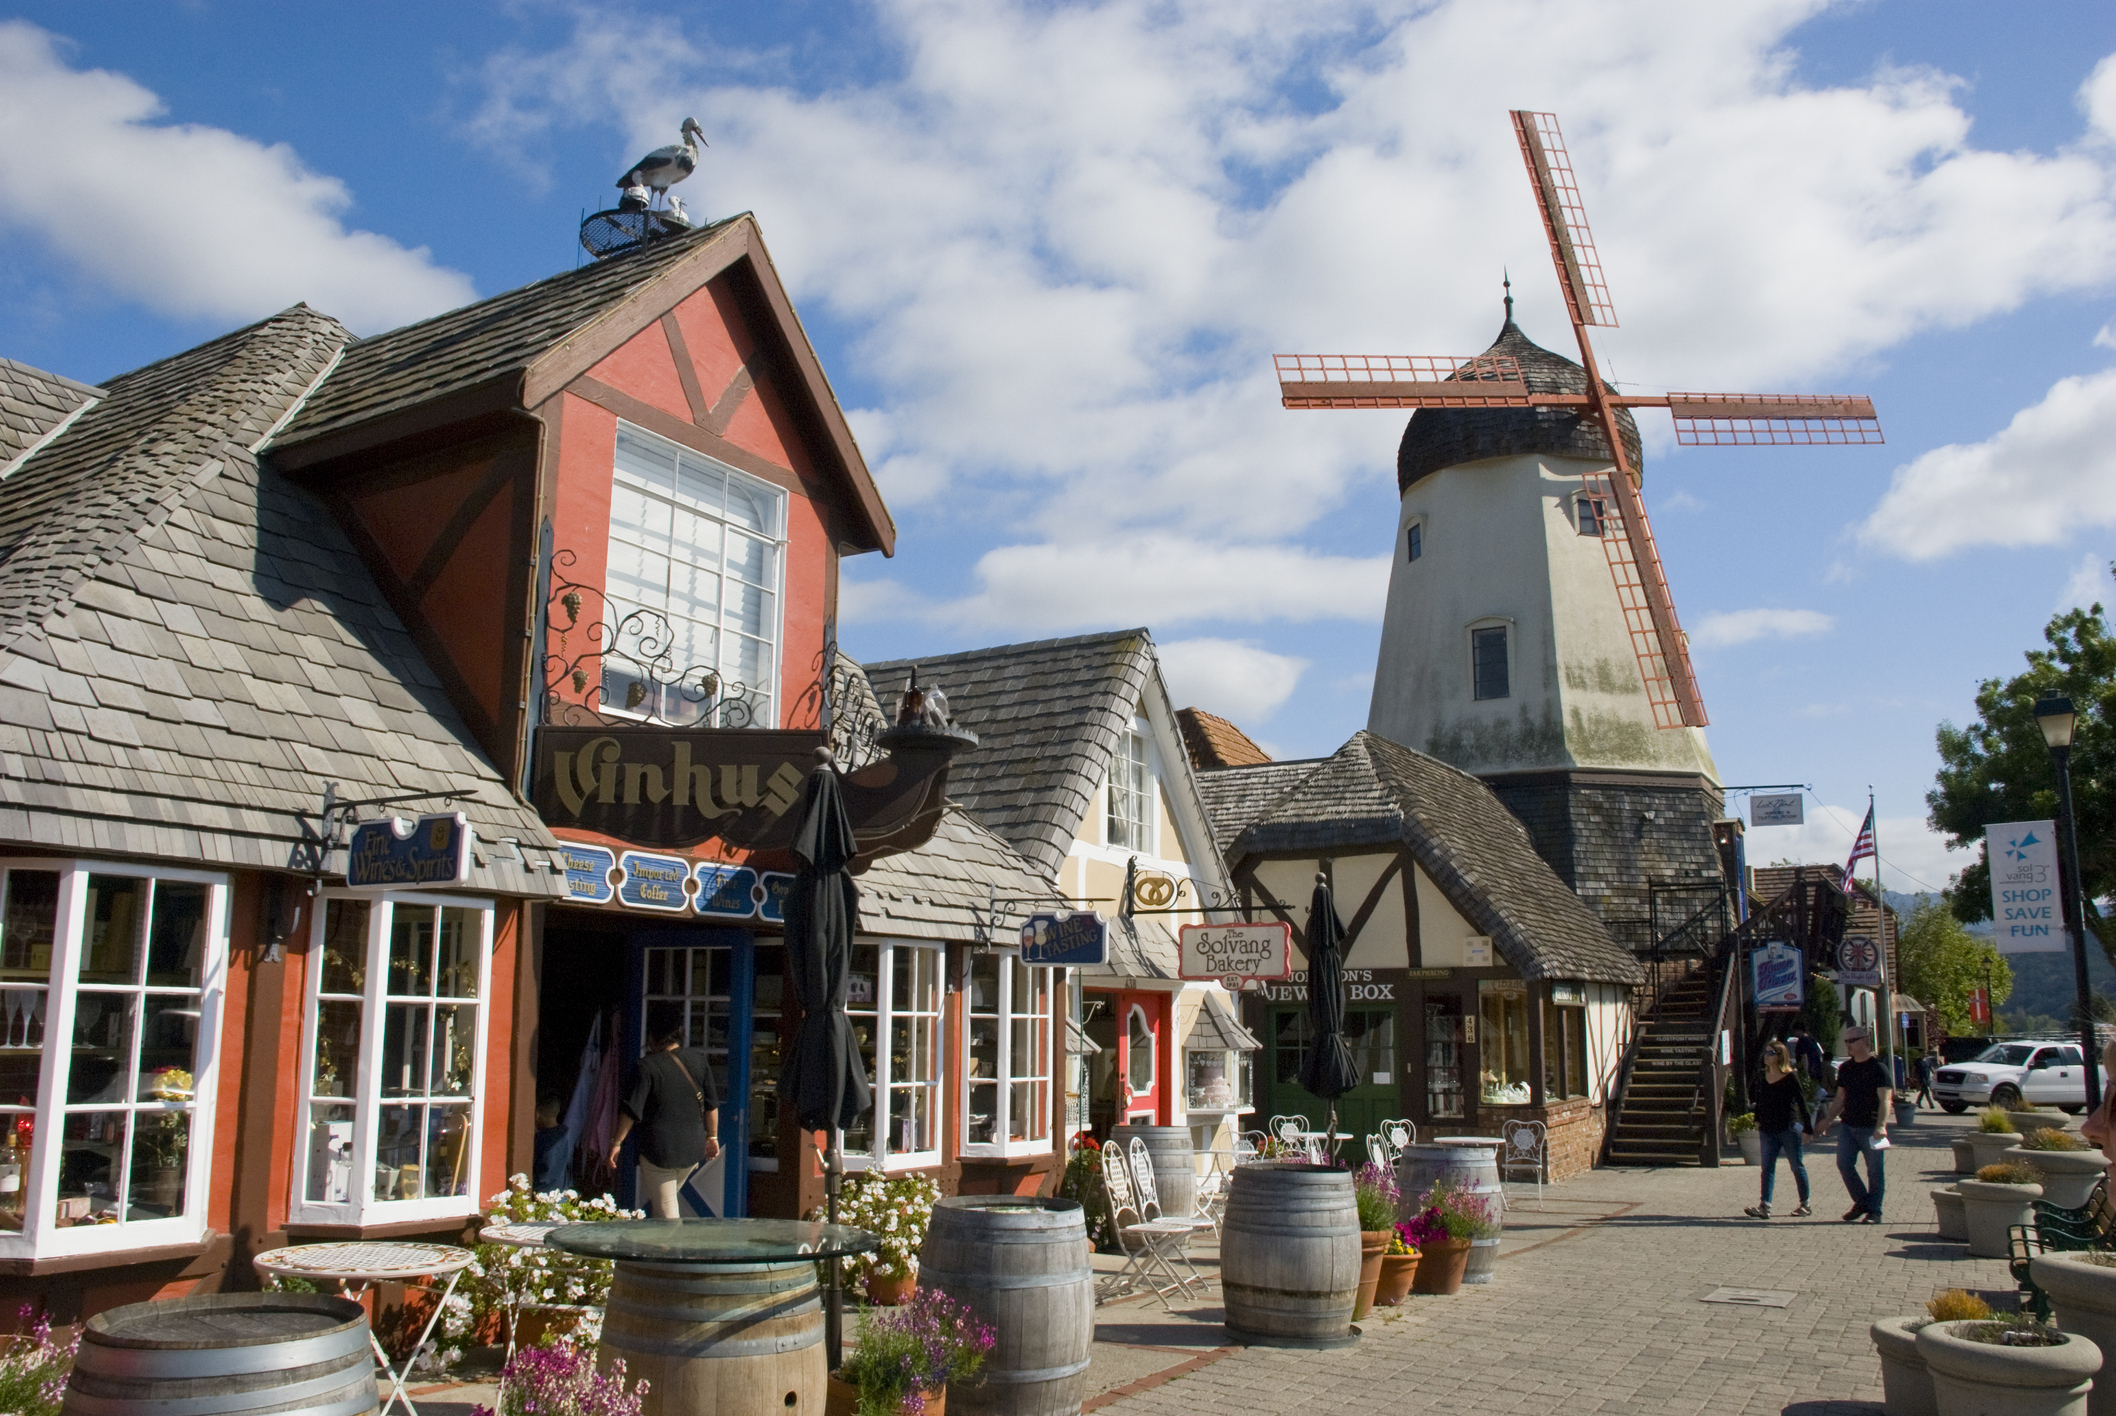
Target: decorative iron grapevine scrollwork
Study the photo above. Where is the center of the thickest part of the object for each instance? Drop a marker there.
(638, 652)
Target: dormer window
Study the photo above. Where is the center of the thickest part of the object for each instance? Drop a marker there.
(1131, 795)
(696, 558)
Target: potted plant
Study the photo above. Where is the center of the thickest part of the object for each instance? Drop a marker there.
(2082, 1292)
(2026, 1116)
(1905, 1381)
(1374, 1192)
(1399, 1269)
(1742, 1127)
(896, 1209)
(1906, 1111)
(904, 1358)
(2012, 1364)
(1440, 1230)
(562, 1378)
(1995, 1201)
(537, 1289)
(1993, 1136)
(1082, 1181)
(2070, 1167)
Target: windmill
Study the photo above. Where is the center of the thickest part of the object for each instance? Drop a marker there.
(1496, 381)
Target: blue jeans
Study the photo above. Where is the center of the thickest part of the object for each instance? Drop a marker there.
(1786, 1142)
(1853, 1142)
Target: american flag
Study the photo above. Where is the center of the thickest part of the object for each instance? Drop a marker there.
(1863, 848)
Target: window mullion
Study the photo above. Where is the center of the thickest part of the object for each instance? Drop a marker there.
(367, 1099)
(58, 1053)
(884, 1022)
(1002, 1107)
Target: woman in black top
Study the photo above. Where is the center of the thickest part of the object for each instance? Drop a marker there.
(677, 1109)
(1779, 1103)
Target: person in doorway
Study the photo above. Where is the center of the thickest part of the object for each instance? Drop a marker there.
(1808, 1054)
(549, 1170)
(676, 1108)
(2100, 1128)
(1861, 1101)
(1927, 1065)
(1781, 1115)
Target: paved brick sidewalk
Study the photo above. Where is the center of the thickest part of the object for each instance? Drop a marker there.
(1604, 1316)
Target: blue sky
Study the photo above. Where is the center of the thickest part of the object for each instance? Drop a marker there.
(1046, 252)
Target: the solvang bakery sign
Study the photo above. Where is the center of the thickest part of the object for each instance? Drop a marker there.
(659, 787)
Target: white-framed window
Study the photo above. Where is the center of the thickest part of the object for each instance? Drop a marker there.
(1006, 1056)
(895, 993)
(111, 981)
(393, 1058)
(1130, 815)
(697, 553)
(1488, 670)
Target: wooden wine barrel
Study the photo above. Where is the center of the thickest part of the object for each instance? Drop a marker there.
(728, 1340)
(1175, 1165)
(304, 1354)
(1468, 1163)
(1021, 1266)
(1289, 1255)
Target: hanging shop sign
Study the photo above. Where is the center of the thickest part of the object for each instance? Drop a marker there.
(1777, 981)
(1065, 941)
(674, 787)
(391, 854)
(1236, 953)
(1859, 962)
(1777, 810)
(588, 874)
(653, 882)
(2024, 898)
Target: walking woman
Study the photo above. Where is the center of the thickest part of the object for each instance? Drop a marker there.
(1781, 1115)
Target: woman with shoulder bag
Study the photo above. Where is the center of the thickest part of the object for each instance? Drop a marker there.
(676, 1108)
(1781, 1115)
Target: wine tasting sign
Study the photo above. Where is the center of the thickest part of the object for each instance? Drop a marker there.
(674, 786)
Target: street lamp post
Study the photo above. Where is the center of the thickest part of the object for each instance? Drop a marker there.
(2055, 717)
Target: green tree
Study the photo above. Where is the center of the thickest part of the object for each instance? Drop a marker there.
(1822, 1015)
(1998, 768)
(1941, 962)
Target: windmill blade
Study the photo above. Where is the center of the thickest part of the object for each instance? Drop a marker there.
(1400, 381)
(1764, 419)
(1564, 218)
(1657, 638)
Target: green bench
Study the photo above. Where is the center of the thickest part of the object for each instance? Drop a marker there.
(2058, 1230)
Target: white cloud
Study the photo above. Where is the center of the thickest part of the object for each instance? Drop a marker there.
(188, 220)
(1232, 678)
(1913, 856)
(1730, 627)
(2047, 475)
(2088, 584)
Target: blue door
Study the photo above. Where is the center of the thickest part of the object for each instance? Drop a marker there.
(705, 981)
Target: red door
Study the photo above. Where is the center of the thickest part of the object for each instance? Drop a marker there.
(1145, 1067)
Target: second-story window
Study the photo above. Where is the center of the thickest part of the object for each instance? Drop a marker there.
(1130, 795)
(697, 554)
(1487, 654)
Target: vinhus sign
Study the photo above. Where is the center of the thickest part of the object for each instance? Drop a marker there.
(662, 787)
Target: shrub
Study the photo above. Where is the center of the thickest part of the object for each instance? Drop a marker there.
(903, 1352)
(2010, 1172)
(2012, 1331)
(34, 1370)
(561, 1380)
(509, 1278)
(896, 1210)
(1741, 1124)
(2050, 1138)
(1993, 1120)
(1957, 1305)
(1374, 1191)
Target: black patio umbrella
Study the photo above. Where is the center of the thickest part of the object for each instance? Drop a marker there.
(823, 1080)
(1328, 1070)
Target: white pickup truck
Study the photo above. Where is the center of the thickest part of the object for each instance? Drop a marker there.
(2048, 1073)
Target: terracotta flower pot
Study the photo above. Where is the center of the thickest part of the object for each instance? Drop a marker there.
(1398, 1271)
(1373, 1243)
(1440, 1265)
(890, 1292)
(843, 1399)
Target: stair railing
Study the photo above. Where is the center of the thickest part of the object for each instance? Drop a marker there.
(1712, 1071)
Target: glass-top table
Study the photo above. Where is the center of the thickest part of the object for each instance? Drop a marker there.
(712, 1241)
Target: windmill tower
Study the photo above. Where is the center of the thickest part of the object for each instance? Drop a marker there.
(1530, 636)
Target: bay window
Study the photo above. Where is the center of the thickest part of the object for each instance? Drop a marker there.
(1006, 1056)
(393, 1058)
(894, 995)
(111, 979)
(1564, 1042)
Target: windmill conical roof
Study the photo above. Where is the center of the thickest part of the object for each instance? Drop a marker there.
(1447, 437)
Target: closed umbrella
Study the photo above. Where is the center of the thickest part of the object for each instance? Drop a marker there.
(823, 1080)
(1328, 1070)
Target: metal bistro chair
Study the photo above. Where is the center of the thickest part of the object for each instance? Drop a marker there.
(1527, 1148)
(1212, 1185)
(1379, 1151)
(1248, 1147)
(1399, 1134)
(1144, 1241)
(1142, 1179)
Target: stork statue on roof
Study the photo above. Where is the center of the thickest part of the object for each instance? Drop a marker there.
(662, 169)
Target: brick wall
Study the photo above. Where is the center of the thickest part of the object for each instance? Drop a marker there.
(1574, 1137)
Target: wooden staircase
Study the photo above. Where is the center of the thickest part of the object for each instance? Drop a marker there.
(1661, 1115)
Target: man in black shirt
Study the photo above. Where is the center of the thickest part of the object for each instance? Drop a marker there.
(676, 1107)
(1864, 1092)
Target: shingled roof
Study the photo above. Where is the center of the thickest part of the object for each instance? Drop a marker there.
(1047, 716)
(1212, 741)
(1448, 437)
(1236, 796)
(189, 647)
(34, 407)
(1375, 792)
(945, 888)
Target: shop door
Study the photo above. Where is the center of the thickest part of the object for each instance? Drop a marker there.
(1447, 1032)
(725, 995)
(1370, 1033)
(1127, 1079)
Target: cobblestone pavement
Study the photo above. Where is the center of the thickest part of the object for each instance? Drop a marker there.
(1596, 1307)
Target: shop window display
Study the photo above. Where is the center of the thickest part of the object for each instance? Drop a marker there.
(1564, 1050)
(895, 993)
(108, 993)
(1503, 1047)
(1007, 1057)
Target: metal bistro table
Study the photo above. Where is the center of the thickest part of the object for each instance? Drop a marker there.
(723, 1317)
(357, 1266)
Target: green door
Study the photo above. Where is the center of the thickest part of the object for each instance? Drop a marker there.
(1371, 1034)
